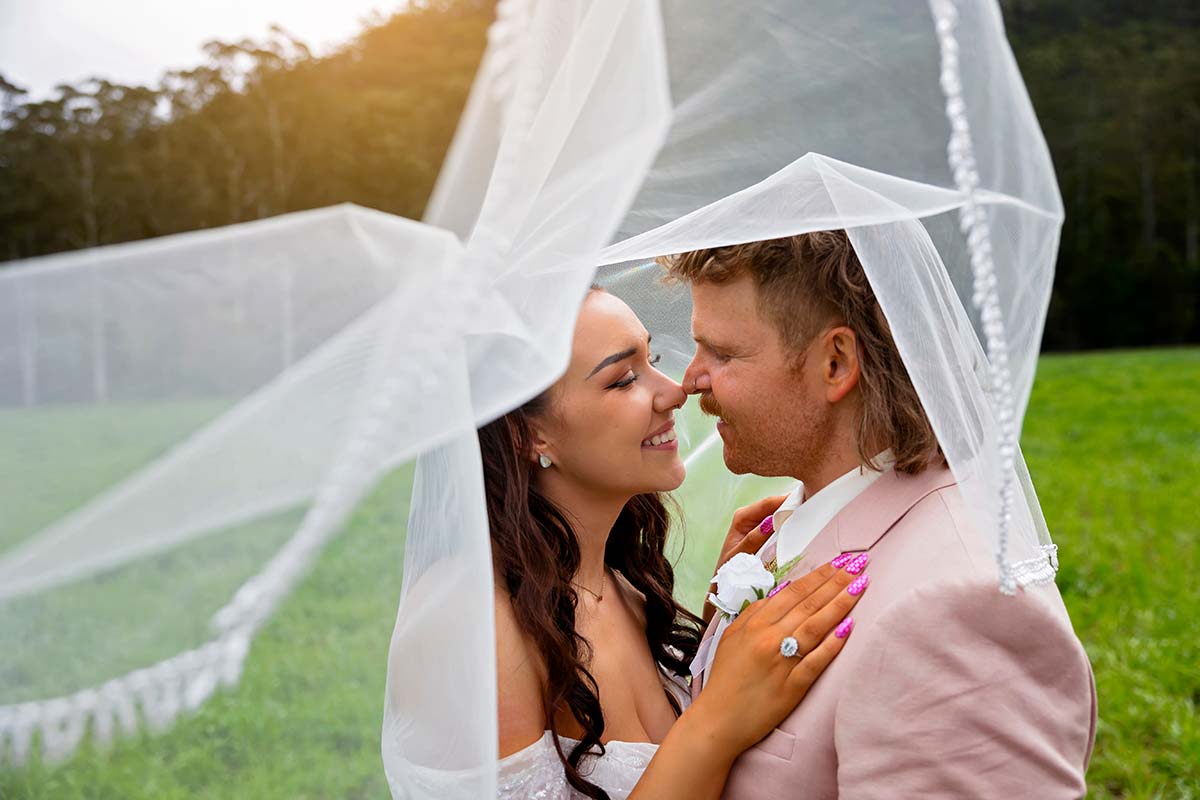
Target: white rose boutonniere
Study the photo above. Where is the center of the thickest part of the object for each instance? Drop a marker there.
(743, 579)
(740, 581)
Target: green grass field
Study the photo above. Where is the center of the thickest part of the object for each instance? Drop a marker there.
(1112, 440)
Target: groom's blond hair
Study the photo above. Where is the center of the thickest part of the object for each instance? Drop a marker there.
(804, 283)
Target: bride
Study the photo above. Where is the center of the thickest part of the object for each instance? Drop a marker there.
(591, 644)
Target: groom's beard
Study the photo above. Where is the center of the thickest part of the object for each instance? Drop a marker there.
(709, 406)
(790, 438)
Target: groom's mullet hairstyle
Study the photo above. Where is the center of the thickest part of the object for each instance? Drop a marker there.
(805, 284)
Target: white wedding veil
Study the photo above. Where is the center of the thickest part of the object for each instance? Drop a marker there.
(254, 382)
(703, 124)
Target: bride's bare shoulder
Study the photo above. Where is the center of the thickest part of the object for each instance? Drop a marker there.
(519, 681)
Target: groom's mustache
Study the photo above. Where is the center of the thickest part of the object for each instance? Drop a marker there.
(710, 406)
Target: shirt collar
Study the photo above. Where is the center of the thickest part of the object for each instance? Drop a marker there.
(799, 520)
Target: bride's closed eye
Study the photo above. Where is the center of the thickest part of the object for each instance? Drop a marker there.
(633, 376)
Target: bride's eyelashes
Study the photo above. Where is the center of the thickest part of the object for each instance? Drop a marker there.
(633, 376)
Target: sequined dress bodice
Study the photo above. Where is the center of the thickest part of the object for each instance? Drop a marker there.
(536, 773)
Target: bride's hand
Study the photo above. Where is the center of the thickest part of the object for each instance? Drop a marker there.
(745, 534)
(751, 686)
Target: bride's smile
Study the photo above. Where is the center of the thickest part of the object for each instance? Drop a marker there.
(663, 439)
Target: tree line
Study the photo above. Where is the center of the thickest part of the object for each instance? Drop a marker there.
(264, 127)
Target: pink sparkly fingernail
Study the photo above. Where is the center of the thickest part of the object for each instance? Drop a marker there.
(843, 630)
(777, 589)
(859, 586)
(858, 563)
(767, 526)
(842, 560)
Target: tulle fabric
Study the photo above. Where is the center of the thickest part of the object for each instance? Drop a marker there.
(255, 382)
(789, 118)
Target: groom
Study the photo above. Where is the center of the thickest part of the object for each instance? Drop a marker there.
(947, 688)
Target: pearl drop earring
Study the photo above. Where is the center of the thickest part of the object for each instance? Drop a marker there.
(545, 461)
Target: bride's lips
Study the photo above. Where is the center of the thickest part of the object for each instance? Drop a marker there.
(667, 431)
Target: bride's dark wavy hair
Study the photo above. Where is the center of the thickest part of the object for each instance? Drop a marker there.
(535, 554)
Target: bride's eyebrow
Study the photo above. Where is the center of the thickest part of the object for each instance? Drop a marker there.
(615, 357)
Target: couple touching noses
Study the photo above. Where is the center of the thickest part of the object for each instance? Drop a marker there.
(609, 688)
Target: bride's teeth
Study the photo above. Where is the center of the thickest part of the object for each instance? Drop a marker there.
(660, 438)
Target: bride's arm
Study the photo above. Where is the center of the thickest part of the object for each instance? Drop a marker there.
(751, 686)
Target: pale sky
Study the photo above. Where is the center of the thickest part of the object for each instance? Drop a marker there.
(46, 42)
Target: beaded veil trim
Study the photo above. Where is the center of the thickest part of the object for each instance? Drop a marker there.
(973, 222)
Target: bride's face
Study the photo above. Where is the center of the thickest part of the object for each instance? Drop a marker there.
(609, 425)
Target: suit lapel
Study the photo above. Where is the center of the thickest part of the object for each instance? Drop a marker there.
(869, 517)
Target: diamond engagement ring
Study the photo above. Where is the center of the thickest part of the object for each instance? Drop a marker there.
(789, 647)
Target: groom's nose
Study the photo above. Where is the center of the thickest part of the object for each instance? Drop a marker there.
(696, 379)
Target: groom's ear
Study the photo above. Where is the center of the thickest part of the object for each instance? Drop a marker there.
(839, 362)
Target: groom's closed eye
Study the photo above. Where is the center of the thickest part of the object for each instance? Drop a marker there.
(718, 352)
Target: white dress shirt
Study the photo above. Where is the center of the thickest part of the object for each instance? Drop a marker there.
(799, 520)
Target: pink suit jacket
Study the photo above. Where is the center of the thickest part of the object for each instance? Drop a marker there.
(946, 687)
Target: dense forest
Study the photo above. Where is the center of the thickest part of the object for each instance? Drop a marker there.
(1116, 85)
(264, 127)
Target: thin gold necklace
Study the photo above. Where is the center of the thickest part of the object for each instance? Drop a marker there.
(598, 597)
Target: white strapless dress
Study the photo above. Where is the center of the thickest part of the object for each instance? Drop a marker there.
(536, 773)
